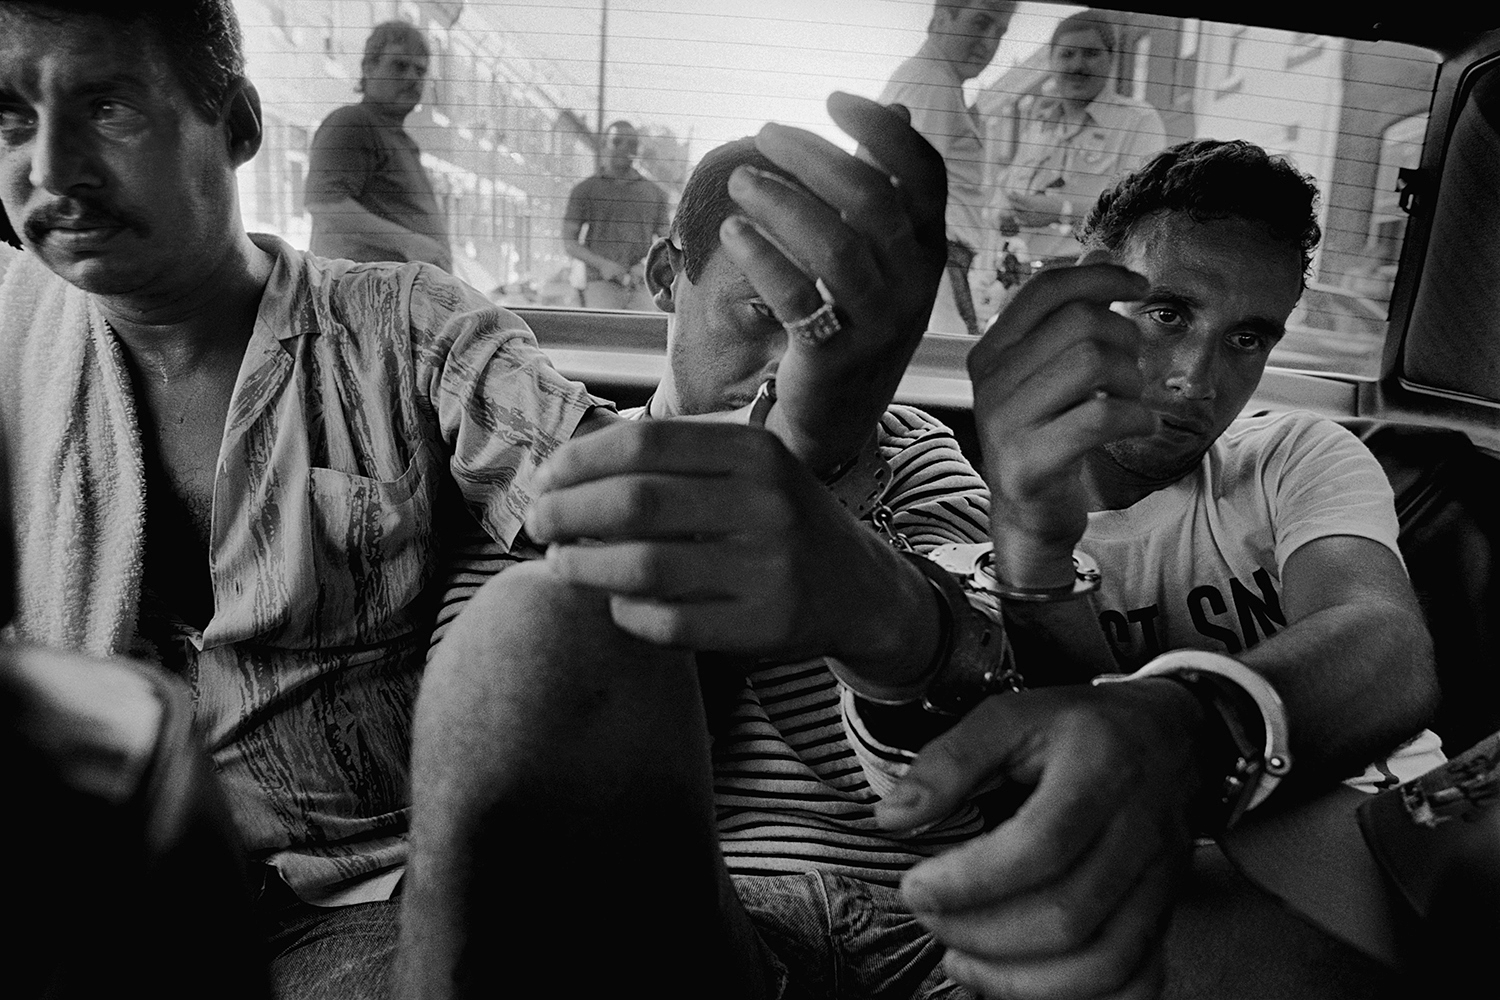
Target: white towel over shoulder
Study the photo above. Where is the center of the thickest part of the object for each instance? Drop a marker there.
(69, 427)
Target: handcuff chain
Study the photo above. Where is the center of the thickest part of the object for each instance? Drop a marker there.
(885, 522)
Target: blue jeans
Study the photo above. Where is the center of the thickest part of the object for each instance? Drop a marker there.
(328, 953)
(829, 937)
(833, 936)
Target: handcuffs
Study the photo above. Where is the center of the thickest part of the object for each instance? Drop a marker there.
(974, 659)
(1260, 759)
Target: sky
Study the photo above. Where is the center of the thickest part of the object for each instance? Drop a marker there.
(713, 70)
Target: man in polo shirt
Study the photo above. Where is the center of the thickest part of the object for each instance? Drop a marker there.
(961, 40)
(1084, 135)
(369, 195)
(611, 219)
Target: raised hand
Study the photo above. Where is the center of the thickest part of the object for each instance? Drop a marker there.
(1055, 376)
(873, 234)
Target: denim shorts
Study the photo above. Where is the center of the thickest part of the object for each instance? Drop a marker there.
(831, 936)
(328, 953)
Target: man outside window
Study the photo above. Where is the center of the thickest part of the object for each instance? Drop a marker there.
(1081, 136)
(369, 195)
(962, 37)
(609, 224)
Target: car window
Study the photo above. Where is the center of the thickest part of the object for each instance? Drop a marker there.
(515, 132)
(1452, 347)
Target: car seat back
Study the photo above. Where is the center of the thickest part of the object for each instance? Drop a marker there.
(1448, 505)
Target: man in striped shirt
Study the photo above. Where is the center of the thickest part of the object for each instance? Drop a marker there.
(711, 803)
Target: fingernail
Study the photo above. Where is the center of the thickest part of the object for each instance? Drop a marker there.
(756, 174)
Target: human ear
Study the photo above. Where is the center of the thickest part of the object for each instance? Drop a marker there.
(663, 263)
(243, 122)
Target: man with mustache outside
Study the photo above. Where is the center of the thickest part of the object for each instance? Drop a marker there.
(1081, 136)
(369, 195)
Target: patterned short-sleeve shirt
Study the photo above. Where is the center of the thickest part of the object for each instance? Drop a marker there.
(372, 401)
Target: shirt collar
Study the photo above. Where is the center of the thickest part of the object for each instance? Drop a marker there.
(1108, 110)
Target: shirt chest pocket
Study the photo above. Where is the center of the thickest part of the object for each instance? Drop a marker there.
(372, 546)
(1096, 150)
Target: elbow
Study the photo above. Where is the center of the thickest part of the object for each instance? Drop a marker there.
(1412, 672)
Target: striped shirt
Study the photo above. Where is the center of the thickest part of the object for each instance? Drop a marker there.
(793, 768)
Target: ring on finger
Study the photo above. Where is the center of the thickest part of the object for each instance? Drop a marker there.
(820, 324)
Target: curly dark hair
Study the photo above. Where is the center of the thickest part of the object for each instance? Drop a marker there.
(1211, 179)
(201, 38)
(705, 202)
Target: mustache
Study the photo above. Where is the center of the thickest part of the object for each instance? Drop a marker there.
(71, 212)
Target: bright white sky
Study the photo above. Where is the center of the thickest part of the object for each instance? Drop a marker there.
(717, 69)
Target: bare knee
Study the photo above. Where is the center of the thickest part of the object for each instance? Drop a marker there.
(532, 662)
(526, 636)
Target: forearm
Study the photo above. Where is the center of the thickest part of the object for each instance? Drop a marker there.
(349, 216)
(891, 643)
(578, 251)
(1056, 642)
(821, 456)
(823, 453)
(1034, 209)
(1356, 681)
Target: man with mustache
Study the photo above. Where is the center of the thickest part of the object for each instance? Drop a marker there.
(962, 37)
(1081, 136)
(231, 457)
(369, 195)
